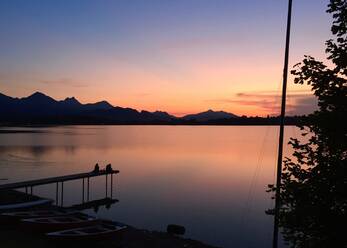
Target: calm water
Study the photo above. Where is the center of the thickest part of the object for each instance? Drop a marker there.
(210, 179)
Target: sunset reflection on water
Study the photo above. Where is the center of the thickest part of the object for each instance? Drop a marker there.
(211, 179)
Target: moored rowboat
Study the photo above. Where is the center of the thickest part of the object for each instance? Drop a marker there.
(25, 205)
(100, 231)
(59, 222)
(36, 214)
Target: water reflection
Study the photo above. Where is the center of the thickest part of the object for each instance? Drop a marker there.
(210, 179)
(31, 153)
(95, 205)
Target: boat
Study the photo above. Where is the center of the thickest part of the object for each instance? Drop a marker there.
(103, 230)
(26, 205)
(54, 223)
(17, 216)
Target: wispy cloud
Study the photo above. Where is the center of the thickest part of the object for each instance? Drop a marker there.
(304, 105)
(298, 102)
(64, 81)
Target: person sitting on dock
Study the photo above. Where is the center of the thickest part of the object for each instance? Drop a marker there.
(109, 168)
(96, 168)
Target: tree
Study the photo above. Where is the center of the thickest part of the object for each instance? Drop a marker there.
(313, 209)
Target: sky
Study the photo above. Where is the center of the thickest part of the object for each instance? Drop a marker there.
(179, 56)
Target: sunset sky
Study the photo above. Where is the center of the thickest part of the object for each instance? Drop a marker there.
(179, 56)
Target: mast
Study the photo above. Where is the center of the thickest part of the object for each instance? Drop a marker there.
(281, 134)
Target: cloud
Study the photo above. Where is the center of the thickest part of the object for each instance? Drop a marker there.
(64, 81)
(304, 105)
(298, 102)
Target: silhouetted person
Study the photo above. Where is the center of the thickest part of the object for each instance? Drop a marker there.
(96, 168)
(109, 168)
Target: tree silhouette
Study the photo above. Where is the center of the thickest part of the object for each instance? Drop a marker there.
(313, 209)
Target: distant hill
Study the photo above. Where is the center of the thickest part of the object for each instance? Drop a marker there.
(40, 109)
(209, 116)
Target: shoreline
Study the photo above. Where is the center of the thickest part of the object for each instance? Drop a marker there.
(83, 124)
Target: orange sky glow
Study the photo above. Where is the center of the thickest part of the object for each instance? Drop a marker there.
(222, 57)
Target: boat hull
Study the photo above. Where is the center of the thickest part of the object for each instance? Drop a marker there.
(16, 217)
(25, 205)
(91, 233)
(57, 223)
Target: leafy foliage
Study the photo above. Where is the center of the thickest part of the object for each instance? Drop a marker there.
(314, 180)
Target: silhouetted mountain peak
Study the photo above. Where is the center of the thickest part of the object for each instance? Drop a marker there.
(210, 111)
(164, 115)
(39, 97)
(6, 100)
(38, 94)
(104, 104)
(210, 115)
(71, 100)
(160, 112)
(39, 107)
(3, 96)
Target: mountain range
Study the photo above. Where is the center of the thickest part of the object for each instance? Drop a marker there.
(39, 108)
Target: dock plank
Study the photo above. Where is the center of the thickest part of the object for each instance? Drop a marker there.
(50, 180)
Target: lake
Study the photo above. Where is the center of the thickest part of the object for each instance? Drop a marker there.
(210, 179)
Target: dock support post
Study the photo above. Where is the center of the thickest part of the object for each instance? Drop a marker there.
(83, 190)
(88, 189)
(28, 186)
(62, 194)
(111, 185)
(106, 186)
(56, 193)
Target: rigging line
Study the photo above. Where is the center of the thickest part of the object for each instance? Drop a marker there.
(278, 102)
(271, 202)
(250, 194)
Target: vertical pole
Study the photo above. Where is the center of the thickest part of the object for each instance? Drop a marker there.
(88, 189)
(281, 134)
(62, 194)
(106, 186)
(26, 190)
(31, 190)
(111, 185)
(56, 193)
(82, 190)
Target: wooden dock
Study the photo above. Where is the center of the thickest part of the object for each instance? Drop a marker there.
(50, 180)
(61, 179)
